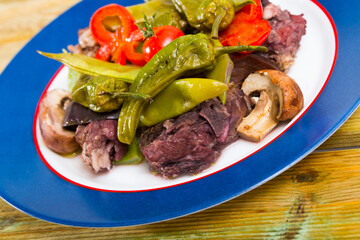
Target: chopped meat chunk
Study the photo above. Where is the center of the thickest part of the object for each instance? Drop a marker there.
(87, 44)
(286, 33)
(100, 145)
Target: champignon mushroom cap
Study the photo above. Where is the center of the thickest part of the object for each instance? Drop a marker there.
(264, 117)
(293, 100)
(51, 114)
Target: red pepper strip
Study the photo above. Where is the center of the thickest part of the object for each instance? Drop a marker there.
(103, 53)
(118, 55)
(248, 27)
(243, 32)
(136, 36)
(253, 11)
(133, 56)
(101, 34)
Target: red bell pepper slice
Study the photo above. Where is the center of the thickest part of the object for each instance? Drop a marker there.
(104, 53)
(99, 31)
(133, 56)
(253, 11)
(118, 54)
(248, 27)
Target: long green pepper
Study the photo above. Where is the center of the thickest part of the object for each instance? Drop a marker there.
(182, 56)
(201, 14)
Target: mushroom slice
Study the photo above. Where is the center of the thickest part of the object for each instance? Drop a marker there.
(261, 120)
(257, 82)
(265, 116)
(51, 114)
(293, 99)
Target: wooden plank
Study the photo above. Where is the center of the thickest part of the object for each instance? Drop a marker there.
(30, 18)
(319, 198)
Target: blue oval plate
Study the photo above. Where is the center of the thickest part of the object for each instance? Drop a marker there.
(31, 186)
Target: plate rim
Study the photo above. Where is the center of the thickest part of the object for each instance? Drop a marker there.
(137, 222)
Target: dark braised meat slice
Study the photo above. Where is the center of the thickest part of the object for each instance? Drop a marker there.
(244, 64)
(184, 146)
(286, 33)
(100, 145)
(238, 105)
(191, 142)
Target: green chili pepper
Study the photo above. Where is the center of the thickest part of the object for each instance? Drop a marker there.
(179, 97)
(102, 94)
(221, 71)
(95, 67)
(166, 13)
(201, 14)
(183, 55)
(238, 4)
(132, 156)
(73, 77)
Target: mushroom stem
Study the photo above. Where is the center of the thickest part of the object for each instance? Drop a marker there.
(265, 116)
(261, 120)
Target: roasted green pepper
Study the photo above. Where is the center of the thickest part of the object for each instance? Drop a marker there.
(179, 97)
(95, 67)
(132, 156)
(201, 14)
(183, 55)
(166, 13)
(101, 94)
(222, 70)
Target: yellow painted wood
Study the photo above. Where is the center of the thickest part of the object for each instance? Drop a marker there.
(20, 20)
(319, 198)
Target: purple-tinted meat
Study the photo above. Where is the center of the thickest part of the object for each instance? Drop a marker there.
(191, 142)
(286, 33)
(87, 44)
(100, 145)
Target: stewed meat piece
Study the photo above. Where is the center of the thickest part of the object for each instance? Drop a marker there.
(100, 145)
(286, 32)
(87, 44)
(193, 141)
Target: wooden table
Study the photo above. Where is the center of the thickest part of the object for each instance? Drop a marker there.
(319, 198)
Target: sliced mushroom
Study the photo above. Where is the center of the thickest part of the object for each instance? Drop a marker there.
(257, 82)
(293, 98)
(51, 114)
(264, 117)
(280, 99)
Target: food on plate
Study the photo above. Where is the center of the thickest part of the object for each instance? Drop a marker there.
(293, 100)
(193, 141)
(94, 67)
(247, 27)
(182, 56)
(280, 99)
(100, 145)
(51, 115)
(179, 97)
(202, 14)
(286, 32)
(162, 82)
(265, 115)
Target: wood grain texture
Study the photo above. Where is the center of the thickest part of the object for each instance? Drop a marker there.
(319, 198)
(20, 20)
